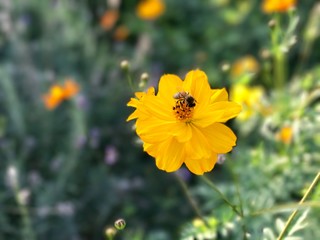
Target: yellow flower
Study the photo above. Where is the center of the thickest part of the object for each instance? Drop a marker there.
(270, 6)
(249, 97)
(285, 135)
(54, 97)
(59, 93)
(150, 9)
(183, 122)
(244, 65)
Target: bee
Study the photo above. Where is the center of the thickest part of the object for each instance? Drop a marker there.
(185, 97)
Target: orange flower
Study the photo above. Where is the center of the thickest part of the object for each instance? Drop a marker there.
(109, 19)
(270, 6)
(121, 33)
(59, 93)
(150, 9)
(285, 134)
(70, 88)
(54, 97)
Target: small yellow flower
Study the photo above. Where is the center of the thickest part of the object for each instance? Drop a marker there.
(198, 223)
(285, 134)
(59, 93)
(54, 97)
(184, 122)
(150, 9)
(270, 6)
(244, 65)
(249, 97)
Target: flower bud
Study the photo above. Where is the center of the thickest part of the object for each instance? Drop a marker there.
(143, 79)
(225, 67)
(120, 224)
(221, 158)
(110, 232)
(265, 54)
(125, 65)
(272, 23)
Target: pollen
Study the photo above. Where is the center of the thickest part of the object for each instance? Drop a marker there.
(183, 110)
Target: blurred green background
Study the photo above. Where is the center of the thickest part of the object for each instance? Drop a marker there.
(70, 172)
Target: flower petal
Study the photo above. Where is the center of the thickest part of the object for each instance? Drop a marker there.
(182, 131)
(153, 130)
(158, 107)
(198, 147)
(133, 102)
(216, 112)
(204, 116)
(133, 115)
(218, 95)
(200, 166)
(228, 109)
(220, 138)
(170, 155)
(196, 82)
(138, 104)
(151, 149)
(169, 85)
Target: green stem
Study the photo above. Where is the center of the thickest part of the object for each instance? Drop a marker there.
(294, 213)
(191, 200)
(126, 70)
(27, 231)
(286, 207)
(130, 80)
(244, 227)
(223, 197)
(278, 54)
(77, 134)
(12, 102)
(280, 69)
(240, 212)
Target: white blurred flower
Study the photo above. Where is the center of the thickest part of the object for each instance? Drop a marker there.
(23, 196)
(12, 176)
(221, 158)
(113, 3)
(65, 209)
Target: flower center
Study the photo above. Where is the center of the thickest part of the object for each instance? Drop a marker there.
(185, 104)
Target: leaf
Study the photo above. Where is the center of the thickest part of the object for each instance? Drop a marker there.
(279, 224)
(268, 234)
(299, 224)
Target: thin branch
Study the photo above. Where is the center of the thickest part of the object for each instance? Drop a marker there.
(294, 213)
